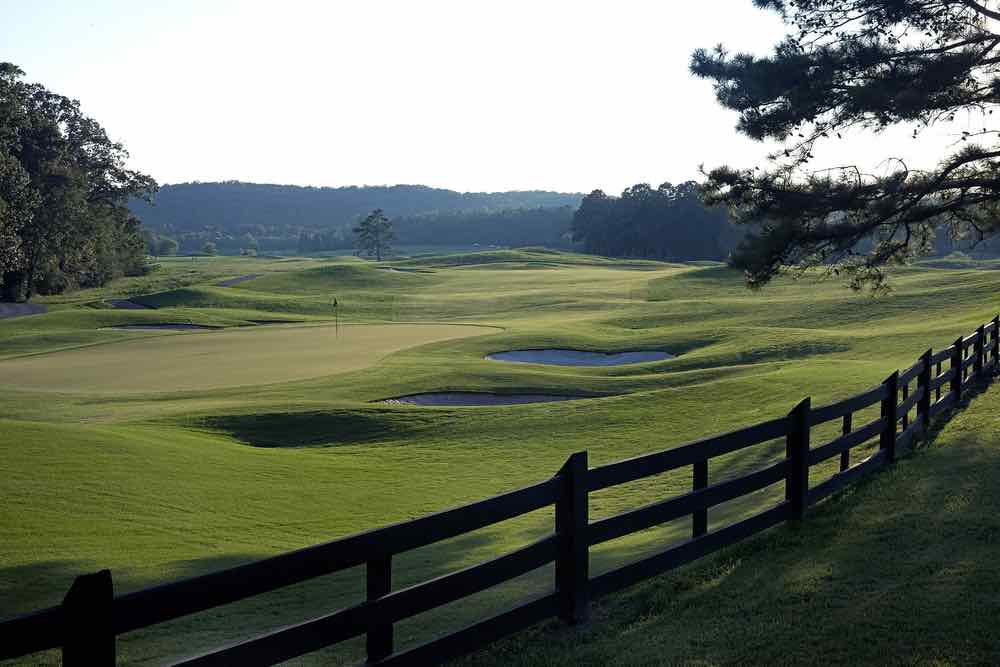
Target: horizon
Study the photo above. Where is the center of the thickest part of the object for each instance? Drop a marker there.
(369, 185)
(562, 98)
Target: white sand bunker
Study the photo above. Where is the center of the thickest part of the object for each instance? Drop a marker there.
(277, 321)
(181, 326)
(20, 309)
(478, 398)
(127, 304)
(563, 357)
(236, 281)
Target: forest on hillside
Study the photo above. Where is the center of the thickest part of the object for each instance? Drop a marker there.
(272, 218)
(669, 222)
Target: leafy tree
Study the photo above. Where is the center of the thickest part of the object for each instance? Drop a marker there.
(166, 247)
(375, 235)
(209, 249)
(64, 190)
(248, 241)
(867, 64)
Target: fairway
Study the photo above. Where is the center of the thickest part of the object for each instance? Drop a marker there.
(215, 359)
(170, 454)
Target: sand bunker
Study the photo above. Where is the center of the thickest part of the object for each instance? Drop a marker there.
(478, 398)
(127, 304)
(20, 309)
(398, 269)
(167, 325)
(277, 321)
(236, 281)
(563, 357)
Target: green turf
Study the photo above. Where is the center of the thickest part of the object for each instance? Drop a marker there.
(245, 356)
(901, 569)
(158, 479)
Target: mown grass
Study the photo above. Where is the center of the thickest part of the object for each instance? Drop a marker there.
(167, 481)
(206, 360)
(898, 570)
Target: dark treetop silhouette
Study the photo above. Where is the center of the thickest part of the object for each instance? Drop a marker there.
(864, 64)
(64, 187)
(669, 222)
(375, 235)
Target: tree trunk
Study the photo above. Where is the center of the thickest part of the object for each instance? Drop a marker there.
(28, 290)
(13, 286)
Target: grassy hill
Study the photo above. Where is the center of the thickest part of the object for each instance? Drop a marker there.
(899, 570)
(238, 459)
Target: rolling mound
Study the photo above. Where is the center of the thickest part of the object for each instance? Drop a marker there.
(215, 359)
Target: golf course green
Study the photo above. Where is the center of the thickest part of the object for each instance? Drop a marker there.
(210, 360)
(165, 454)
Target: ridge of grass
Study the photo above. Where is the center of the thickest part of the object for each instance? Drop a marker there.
(900, 569)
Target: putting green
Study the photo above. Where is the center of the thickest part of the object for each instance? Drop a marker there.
(215, 359)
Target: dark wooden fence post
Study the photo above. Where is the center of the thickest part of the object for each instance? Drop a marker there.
(89, 631)
(924, 382)
(887, 439)
(937, 371)
(797, 452)
(956, 364)
(977, 365)
(379, 583)
(573, 554)
(905, 389)
(699, 519)
(845, 456)
(996, 341)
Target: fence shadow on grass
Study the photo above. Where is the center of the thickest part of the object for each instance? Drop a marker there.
(86, 624)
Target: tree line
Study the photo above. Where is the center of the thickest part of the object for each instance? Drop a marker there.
(669, 223)
(548, 226)
(233, 206)
(64, 194)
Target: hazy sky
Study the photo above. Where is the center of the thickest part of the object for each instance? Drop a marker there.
(467, 95)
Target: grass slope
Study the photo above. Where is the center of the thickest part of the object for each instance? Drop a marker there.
(214, 359)
(174, 480)
(900, 570)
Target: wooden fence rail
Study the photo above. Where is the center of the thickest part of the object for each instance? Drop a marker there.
(86, 624)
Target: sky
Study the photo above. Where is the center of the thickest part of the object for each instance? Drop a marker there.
(471, 95)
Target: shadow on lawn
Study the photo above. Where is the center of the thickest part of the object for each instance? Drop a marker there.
(37, 585)
(305, 429)
(902, 568)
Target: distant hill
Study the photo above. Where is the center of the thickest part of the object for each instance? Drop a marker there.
(234, 206)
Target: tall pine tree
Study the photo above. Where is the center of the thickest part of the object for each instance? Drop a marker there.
(375, 235)
(867, 64)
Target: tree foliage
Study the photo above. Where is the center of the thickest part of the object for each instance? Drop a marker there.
(230, 207)
(542, 226)
(375, 235)
(165, 247)
(64, 190)
(545, 226)
(860, 64)
(669, 222)
(286, 218)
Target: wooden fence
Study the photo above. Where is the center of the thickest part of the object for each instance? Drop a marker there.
(86, 624)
